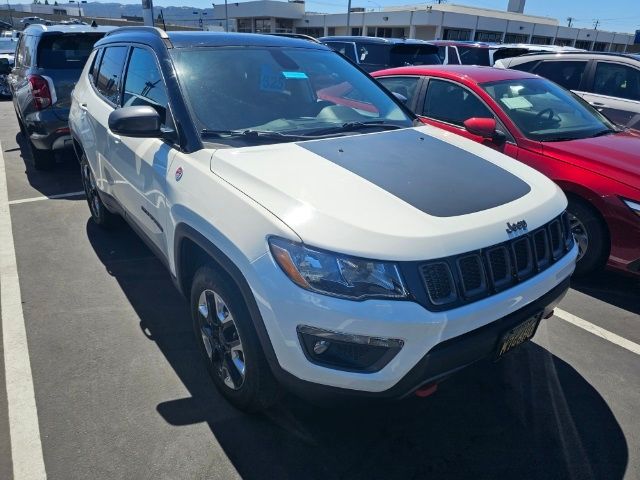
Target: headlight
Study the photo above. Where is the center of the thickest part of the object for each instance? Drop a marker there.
(338, 275)
(634, 206)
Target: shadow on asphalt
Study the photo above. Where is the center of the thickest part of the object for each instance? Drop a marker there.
(63, 178)
(613, 288)
(530, 416)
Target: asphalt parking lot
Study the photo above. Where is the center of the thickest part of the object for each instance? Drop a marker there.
(121, 393)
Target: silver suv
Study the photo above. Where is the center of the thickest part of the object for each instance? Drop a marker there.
(48, 63)
(608, 81)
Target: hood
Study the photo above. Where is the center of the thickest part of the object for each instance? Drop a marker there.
(616, 156)
(410, 194)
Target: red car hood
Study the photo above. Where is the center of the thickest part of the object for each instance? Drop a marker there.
(616, 156)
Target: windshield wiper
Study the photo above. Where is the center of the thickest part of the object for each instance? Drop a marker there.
(605, 132)
(352, 126)
(250, 134)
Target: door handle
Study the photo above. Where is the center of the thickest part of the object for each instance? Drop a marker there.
(597, 104)
(114, 137)
(83, 107)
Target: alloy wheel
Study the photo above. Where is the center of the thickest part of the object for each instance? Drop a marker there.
(221, 339)
(91, 189)
(580, 234)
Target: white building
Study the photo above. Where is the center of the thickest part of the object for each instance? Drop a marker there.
(51, 9)
(427, 22)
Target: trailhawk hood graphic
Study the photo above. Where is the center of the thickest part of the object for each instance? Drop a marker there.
(408, 194)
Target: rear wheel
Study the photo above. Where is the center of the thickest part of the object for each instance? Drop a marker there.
(99, 212)
(591, 237)
(229, 343)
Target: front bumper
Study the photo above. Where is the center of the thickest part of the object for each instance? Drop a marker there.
(434, 343)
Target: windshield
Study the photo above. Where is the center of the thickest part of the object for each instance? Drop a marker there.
(294, 91)
(545, 111)
(66, 51)
(474, 56)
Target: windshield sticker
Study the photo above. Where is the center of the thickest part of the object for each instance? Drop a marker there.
(295, 75)
(270, 80)
(513, 103)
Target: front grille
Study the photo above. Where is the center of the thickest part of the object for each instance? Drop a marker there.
(461, 279)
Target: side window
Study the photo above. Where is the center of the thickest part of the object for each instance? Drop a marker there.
(29, 45)
(95, 66)
(451, 103)
(453, 56)
(524, 67)
(21, 50)
(442, 53)
(405, 86)
(617, 80)
(346, 49)
(143, 84)
(110, 73)
(566, 74)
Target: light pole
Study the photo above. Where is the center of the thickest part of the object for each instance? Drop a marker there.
(348, 17)
(10, 14)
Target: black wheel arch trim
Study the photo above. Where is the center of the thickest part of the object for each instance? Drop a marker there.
(186, 232)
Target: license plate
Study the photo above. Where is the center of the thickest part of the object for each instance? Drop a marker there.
(518, 335)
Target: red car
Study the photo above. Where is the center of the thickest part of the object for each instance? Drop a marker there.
(545, 126)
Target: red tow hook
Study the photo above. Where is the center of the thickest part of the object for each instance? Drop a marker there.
(427, 390)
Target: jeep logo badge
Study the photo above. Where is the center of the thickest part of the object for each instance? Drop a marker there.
(514, 227)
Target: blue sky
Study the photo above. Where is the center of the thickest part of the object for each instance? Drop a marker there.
(616, 15)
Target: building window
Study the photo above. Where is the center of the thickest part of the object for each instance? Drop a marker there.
(563, 42)
(315, 32)
(371, 31)
(456, 34)
(263, 25)
(618, 47)
(384, 32)
(59, 11)
(536, 40)
(356, 31)
(331, 31)
(583, 44)
(488, 37)
(516, 38)
(244, 25)
(600, 46)
(284, 25)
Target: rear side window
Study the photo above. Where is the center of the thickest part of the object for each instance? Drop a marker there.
(474, 56)
(524, 67)
(617, 80)
(143, 84)
(346, 49)
(565, 74)
(67, 51)
(451, 103)
(405, 86)
(110, 73)
(93, 73)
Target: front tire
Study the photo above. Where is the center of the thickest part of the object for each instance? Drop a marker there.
(591, 236)
(229, 343)
(99, 213)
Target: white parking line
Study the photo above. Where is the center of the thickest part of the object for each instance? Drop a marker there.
(598, 331)
(24, 431)
(49, 197)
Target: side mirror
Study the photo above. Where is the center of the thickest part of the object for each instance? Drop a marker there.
(141, 121)
(485, 128)
(400, 97)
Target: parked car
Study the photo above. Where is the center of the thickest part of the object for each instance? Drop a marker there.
(374, 53)
(608, 81)
(453, 52)
(26, 21)
(48, 63)
(323, 246)
(544, 126)
(7, 58)
(4, 26)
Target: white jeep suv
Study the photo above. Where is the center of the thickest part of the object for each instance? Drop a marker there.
(324, 240)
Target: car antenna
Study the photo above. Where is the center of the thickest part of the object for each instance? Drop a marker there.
(94, 24)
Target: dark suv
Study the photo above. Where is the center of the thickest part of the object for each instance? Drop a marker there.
(48, 63)
(373, 53)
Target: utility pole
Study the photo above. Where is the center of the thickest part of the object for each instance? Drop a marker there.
(348, 17)
(147, 13)
(10, 14)
(595, 24)
(226, 17)
(569, 21)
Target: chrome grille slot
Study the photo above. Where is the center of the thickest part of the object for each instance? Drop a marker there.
(499, 262)
(439, 281)
(566, 231)
(523, 257)
(541, 248)
(472, 275)
(557, 241)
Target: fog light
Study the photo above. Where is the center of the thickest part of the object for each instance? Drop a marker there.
(344, 351)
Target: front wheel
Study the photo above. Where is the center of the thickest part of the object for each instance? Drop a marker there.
(229, 344)
(591, 236)
(99, 213)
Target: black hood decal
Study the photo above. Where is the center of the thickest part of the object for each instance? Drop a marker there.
(432, 175)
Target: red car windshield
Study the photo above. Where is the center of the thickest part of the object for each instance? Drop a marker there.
(546, 112)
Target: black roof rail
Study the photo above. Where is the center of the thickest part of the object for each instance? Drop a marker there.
(577, 52)
(140, 29)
